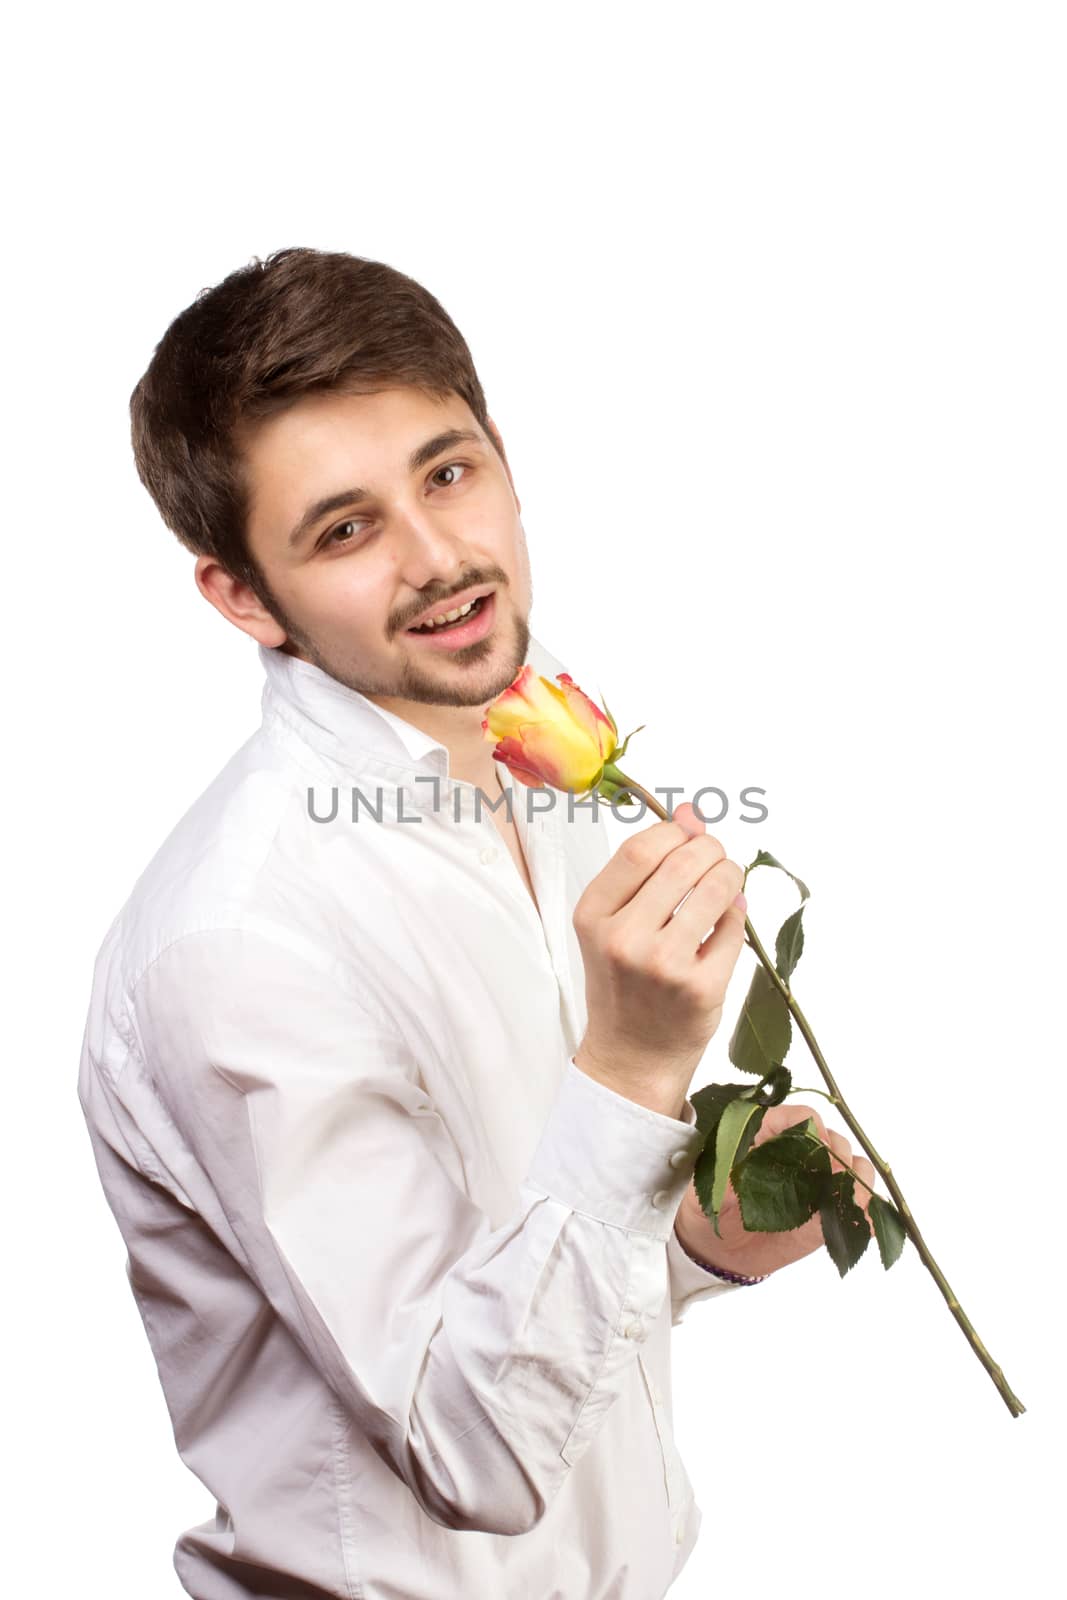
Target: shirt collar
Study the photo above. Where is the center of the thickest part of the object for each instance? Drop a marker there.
(348, 728)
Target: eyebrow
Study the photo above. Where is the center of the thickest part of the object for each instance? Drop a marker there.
(419, 457)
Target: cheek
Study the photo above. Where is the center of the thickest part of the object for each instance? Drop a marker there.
(345, 594)
(494, 524)
(359, 578)
(509, 550)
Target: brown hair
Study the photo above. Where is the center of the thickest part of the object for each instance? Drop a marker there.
(298, 321)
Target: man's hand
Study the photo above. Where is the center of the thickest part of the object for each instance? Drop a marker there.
(757, 1253)
(655, 976)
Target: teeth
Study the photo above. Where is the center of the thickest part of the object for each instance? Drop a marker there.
(448, 616)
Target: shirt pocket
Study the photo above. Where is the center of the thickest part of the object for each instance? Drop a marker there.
(676, 1482)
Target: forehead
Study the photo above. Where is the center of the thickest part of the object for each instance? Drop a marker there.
(334, 430)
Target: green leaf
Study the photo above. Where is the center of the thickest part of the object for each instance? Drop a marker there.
(889, 1229)
(845, 1229)
(779, 1183)
(611, 719)
(708, 1103)
(765, 859)
(621, 751)
(737, 1128)
(763, 1032)
(774, 1088)
(789, 945)
(711, 1104)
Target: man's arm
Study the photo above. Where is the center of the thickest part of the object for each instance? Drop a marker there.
(689, 1282)
(480, 1361)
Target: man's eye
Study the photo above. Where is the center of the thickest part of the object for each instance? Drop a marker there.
(341, 536)
(451, 466)
(335, 535)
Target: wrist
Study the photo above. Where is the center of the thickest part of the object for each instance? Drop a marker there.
(647, 1089)
(727, 1274)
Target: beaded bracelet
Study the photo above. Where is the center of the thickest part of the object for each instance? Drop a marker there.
(722, 1272)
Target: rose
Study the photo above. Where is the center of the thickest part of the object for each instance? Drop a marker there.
(555, 736)
(559, 737)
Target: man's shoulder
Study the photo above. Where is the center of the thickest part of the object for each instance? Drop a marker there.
(216, 866)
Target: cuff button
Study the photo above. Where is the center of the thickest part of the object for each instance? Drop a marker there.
(661, 1198)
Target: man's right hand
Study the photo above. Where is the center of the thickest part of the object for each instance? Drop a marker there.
(654, 992)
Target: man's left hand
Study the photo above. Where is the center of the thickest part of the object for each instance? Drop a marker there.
(757, 1253)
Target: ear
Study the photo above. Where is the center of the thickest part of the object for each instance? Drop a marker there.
(494, 430)
(237, 602)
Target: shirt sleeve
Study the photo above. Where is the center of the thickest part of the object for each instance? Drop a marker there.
(480, 1361)
(690, 1282)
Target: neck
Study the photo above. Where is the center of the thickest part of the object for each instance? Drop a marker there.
(459, 729)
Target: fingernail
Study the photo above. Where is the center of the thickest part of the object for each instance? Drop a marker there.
(740, 902)
(691, 822)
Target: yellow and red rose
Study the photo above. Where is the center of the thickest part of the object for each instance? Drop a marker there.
(552, 734)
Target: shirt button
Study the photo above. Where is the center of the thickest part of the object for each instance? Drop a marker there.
(679, 1158)
(488, 855)
(661, 1198)
(632, 1330)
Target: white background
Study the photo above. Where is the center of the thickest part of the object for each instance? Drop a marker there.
(768, 302)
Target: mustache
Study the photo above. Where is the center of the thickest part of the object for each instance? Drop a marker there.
(431, 598)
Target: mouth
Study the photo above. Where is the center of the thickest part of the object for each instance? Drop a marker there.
(474, 624)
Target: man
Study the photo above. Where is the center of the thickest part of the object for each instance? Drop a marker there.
(386, 1088)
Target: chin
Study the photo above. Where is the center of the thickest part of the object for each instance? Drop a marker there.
(485, 676)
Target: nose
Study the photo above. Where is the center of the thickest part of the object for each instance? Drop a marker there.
(427, 551)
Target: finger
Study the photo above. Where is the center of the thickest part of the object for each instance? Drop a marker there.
(710, 897)
(841, 1155)
(678, 876)
(718, 954)
(779, 1118)
(633, 862)
(807, 1111)
(859, 1166)
(863, 1169)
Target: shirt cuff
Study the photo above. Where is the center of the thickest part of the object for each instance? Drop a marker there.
(607, 1156)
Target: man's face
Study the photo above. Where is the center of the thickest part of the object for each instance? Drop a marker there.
(363, 516)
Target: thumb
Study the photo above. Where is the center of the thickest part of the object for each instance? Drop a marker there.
(687, 817)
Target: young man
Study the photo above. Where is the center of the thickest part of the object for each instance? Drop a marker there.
(387, 1089)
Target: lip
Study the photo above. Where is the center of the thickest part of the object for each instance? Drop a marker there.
(468, 632)
(460, 599)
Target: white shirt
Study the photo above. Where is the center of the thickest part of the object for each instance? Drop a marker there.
(407, 1272)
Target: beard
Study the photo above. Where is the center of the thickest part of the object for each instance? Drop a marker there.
(486, 672)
